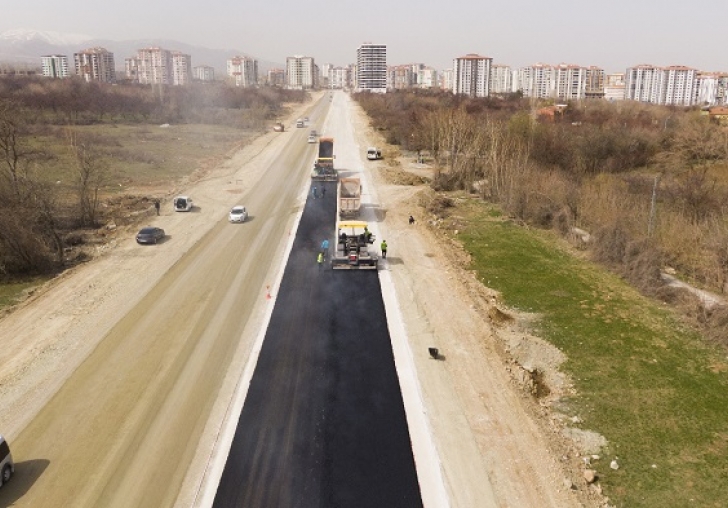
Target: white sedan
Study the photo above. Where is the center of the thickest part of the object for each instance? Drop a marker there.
(238, 214)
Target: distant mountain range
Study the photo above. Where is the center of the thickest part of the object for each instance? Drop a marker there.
(27, 46)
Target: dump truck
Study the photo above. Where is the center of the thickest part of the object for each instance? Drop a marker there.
(323, 166)
(353, 247)
(349, 197)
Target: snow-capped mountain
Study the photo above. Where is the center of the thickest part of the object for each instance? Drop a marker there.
(22, 35)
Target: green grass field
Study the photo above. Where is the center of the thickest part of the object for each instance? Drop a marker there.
(646, 382)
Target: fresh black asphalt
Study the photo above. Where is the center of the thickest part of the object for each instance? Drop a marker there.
(323, 423)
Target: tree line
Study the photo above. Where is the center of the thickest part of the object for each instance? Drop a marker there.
(649, 183)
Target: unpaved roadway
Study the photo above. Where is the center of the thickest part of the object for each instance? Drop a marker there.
(116, 378)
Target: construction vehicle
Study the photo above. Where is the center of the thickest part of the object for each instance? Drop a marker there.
(353, 249)
(374, 153)
(323, 166)
(349, 198)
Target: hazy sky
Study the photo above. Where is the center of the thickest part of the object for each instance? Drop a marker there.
(611, 34)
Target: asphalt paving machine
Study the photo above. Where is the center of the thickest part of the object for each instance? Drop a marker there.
(354, 247)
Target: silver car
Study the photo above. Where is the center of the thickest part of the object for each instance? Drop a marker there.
(238, 214)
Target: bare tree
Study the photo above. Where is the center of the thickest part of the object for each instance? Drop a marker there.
(13, 150)
(90, 176)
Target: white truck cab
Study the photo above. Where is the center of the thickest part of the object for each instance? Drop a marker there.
(182, 204)
(7, 468)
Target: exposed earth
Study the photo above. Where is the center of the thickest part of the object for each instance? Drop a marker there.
(498, 445)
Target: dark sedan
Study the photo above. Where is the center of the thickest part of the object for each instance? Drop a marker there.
(150, 235)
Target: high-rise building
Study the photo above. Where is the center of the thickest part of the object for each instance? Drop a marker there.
(181, 68)
(371, 68)
(711, 89)
(340, 77)
(243, 70)
(501, 79)
(614, 87)
(203, 73)
(594, 86)
(300, 72)
(427, 78)
(471, 75)
(400, 77)
(276, 77)
(151, 66)
(674, 85)
(447, 79)
(95, 64)
(54, 66)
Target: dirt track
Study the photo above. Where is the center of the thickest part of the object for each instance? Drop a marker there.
(108, 378)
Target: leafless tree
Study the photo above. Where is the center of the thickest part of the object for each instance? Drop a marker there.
(90, 176)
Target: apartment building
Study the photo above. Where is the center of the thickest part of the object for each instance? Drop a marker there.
(54, 66)
(276, 77)
(181, 69)
(427, 78)
(674, 85)
(447, 79)
(301, 72)
(95, 64)
(151, 66)
(400, 77)
(614, 87)
(711, 89)
(340, 77)
(243, 70)
(595, 80)
(371, 68)
(203, 73)
(501, 79)
(471, 75)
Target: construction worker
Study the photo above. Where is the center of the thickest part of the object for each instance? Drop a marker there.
(383, 247)
(411, 220)
(320, 259)
(156, 205)
(314, 193)
(323, 192)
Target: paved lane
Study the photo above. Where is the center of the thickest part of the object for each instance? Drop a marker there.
(323, 423)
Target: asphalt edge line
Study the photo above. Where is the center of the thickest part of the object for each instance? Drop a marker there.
(207, 489)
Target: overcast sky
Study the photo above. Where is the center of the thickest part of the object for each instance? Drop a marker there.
(613, 34)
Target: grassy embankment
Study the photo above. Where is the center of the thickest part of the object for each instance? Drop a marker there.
(650, 385)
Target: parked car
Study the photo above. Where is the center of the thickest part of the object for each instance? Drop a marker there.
(238, 214)
(278, 127)
(150, 234)
(7, 468)
(183, 204)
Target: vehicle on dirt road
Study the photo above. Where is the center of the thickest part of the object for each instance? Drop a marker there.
(374, 154)
(150, 235)
(7, 467)
(278, 127)
(352, 247)
(300, 123)
(238, 214)
(182, 204)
